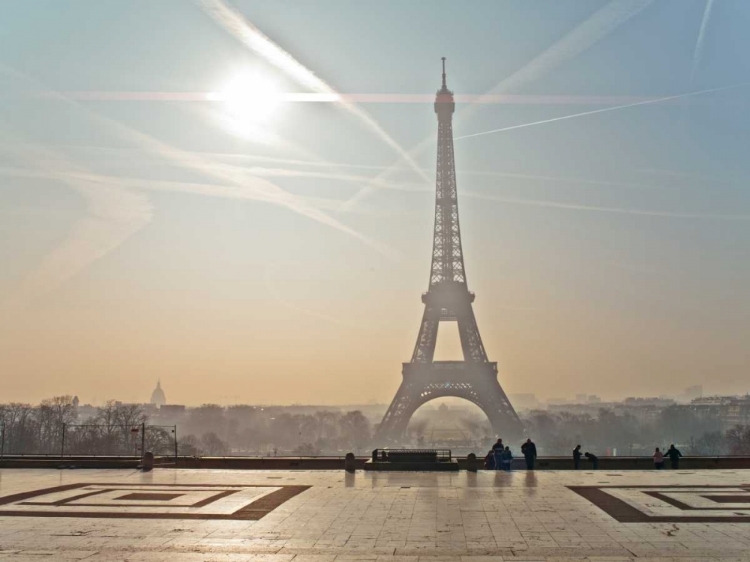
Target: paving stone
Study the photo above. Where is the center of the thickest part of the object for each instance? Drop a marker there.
(321, 516)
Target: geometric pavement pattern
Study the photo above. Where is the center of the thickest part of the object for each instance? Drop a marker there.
(671, 503)
(417, 517)
(150, 501)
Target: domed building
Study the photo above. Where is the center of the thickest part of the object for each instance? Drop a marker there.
(157, 396)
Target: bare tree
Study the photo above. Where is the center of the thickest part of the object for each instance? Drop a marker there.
(738, 440)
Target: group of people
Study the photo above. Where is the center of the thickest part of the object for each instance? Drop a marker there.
(674, 455)
(500, 457)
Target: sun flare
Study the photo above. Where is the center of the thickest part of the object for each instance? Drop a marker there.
(250, 101)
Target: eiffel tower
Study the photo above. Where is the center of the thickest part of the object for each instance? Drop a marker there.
(448, 299)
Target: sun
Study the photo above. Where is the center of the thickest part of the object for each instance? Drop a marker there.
(250, 101)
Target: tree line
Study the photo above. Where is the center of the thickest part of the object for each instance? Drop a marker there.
(115, 429)
(696, 434)
(53, 427)
(215, 430)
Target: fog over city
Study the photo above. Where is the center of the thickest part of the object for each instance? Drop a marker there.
(427, 280)
(238, 200)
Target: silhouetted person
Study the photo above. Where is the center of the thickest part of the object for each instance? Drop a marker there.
(577, 457)
(658, 459)
(674, 455)
(498, 445)
(593, 458)
(528, 450)
(489, 460)
(506, 458)
(497, 453)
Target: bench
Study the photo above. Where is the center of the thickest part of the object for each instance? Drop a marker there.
(411, 455)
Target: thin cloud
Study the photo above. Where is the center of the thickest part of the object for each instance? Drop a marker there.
(114, 214)
(582, 37)
(254, 187)
(196, 188)
(240, 27)
(613, 210)
(698, 53)
(89, 236)
(604, 110)
(250, 189)
(133, 155)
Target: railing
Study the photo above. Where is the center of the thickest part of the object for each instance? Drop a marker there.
(95, 441)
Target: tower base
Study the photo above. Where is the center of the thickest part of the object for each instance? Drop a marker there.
(475, 382)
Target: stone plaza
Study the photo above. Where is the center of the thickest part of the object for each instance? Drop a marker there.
(306, 516)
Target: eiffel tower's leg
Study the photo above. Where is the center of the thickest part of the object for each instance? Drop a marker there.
(424, 350)
(471, 341)
(399, 413)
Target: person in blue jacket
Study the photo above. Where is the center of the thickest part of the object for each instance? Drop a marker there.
(506, 458)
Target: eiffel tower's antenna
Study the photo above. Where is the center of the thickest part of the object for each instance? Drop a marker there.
(444, 86)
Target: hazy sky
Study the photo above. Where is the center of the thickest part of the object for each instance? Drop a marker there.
(237, 198)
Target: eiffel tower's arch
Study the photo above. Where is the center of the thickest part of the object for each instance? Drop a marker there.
(476, 383)
(463, 416)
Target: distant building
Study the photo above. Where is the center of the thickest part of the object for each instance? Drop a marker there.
(581, 398)
(732, 410)
(693, 392)
(558, 401)
(661, 401)
(86, 412)
(170, 414)
(157, 396)
(594, 399)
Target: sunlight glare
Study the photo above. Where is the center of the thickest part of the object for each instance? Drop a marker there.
(250, 102)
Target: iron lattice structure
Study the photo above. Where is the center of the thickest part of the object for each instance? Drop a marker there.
(448, 299)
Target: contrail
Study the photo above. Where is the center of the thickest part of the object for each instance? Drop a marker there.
(604, 110)
(238, 25)
(587, 33)
(358, 98)
(614, 210)
(404, 186)
(698, 54)
(114, 215)
(234, 192)
(197, 188)
(99, 243)
(336, 204)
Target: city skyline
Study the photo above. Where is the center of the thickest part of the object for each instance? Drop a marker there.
(201, 193)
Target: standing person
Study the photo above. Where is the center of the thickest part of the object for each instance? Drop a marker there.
(658, 459)
(577, 457)
(528, 450)
(674, 455)
(506, 458)
(489, 460)
(497, 453)
(593, 458)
